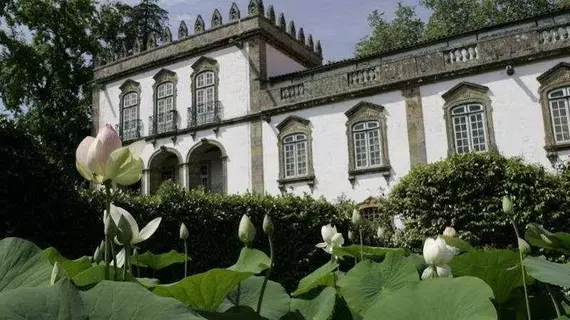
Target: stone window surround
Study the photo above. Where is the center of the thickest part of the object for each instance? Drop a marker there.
(367, 111)
(204, 64)
(291, 125)
(127, 87)
(164, 76)
(467, 93)
(554, 78)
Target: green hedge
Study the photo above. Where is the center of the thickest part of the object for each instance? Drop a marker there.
(213, 221)
(465, 191)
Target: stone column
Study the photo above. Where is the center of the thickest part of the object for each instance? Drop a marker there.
(257, 77)
(145, 182)
(95, 93)
(415, 125)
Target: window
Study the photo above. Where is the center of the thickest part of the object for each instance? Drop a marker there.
(130, 128)
(469, 128)
(367, 140)
(129, 124)
(205, 173)
(295, 152)
(205, 98)
(558, 101)
(295, 155)
(165, 107)
(469, 119)
(367, 151)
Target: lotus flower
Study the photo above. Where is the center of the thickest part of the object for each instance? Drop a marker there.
(136, 235)
(246, 230)
(437, 254)
(356, 218)
(331, 238)
(103, 158)
(183, 232)
(449, 232)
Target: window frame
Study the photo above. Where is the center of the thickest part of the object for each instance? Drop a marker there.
(467, 115)
(468, 94)
(127, 88)
(367, 112)
(204, 66)
(162, 78)
(293, 126)
(555, 78)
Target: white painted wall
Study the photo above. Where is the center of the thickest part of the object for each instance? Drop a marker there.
(330, 151)
(517, 115)
(279, 63)
(233, 89)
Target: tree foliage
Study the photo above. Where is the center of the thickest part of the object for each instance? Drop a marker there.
(448, 17)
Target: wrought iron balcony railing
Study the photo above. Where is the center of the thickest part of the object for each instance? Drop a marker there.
(129, 130)
(205, 113)
(163, 122)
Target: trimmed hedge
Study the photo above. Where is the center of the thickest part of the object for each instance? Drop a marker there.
(465, 191)
(213, 220)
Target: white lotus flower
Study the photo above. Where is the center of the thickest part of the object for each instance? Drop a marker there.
(356, 218)
(137, 235)
(437, 254)
(449, 232)
(183, 232)
(331, 239)
(246, 230)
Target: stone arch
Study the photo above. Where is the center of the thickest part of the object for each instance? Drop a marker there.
(163, 165)
(207, 166)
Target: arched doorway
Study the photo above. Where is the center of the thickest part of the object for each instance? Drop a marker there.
(207, 167)
(163, 167)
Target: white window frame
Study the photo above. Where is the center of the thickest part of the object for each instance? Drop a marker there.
(295, 142)
(129, 116)
(369, 127)
(164, 96)
(468, 115)
(205, 97)
(557, 96)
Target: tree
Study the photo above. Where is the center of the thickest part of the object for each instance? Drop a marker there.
(404, 30)
(148, 18)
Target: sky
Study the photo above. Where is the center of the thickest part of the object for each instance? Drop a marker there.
(339, 24)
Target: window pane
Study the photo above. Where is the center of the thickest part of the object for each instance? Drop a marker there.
(301, 158)
(359, 126)
(458, 110)
(557, 93)
(559, 110)
(130, 99)
(289, 158)
(374, 147)
(478, 132)
(372, 124)
(475, 107)
(461, 135)
(165, 90)
(361, 159)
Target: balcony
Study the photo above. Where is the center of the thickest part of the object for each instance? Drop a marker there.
(129, 130)
(163, 122)
(206, 113)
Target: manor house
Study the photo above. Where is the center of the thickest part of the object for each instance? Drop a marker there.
(241, 101)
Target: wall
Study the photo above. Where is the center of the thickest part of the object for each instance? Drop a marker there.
(233, 89)
(279, 63)
(330, 151)
(517, 115)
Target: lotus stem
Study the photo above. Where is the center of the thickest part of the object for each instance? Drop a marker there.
(238, 293)
(361, 244)
(107, 237)
(114, 261)
(127, 260)
(185, 259)
(267, 274)
(522, 272)
(553, 300)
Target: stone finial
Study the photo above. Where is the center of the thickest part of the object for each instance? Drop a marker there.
(216, 19)
(152, 42)
(292, 29)
(166, 36)
(253, 8)
(234, 12)
(282, 22)
(319, 49)
(271, 14)
(310, 42)
(199, 24)
(301, 35)
(137, 46)
(182, 30)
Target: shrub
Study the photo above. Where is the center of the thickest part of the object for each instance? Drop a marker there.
(213, 220)
(465, 191)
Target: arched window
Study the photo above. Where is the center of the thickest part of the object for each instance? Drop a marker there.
(129, 126)
(165, 107)
(205, 97)
(295, 155)
(367, 149)
(469, 132)
(558, 101)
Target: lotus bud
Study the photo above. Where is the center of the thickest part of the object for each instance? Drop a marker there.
(97, 256)
(356, 218)
(437, 252)
(381, 232)
(507, 205)
(524, 247)
(246, 230)
(183, 232)
(110, 227)
(350, 235)
(267, 225)
(124, 234)
(58, 272)
(449, 232)
(327, 232)
(102, 246)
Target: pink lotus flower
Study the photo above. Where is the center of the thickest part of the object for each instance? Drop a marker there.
(103, 158)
